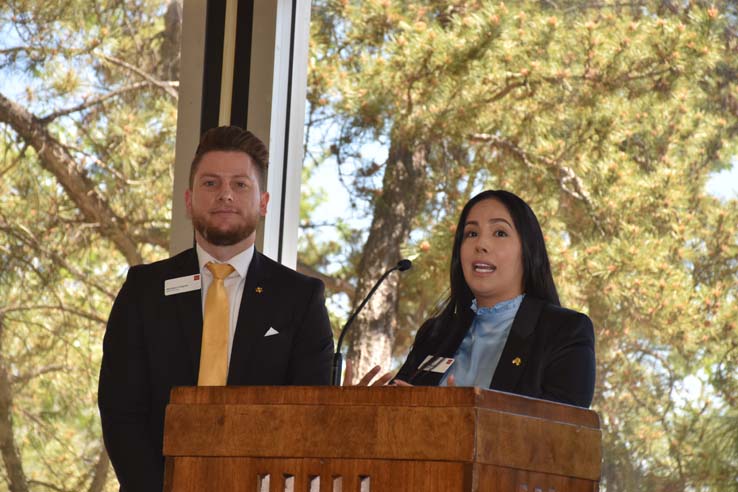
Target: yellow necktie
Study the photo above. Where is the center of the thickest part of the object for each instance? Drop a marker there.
(214, 348)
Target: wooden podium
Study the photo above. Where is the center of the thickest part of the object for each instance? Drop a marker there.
(322, 439)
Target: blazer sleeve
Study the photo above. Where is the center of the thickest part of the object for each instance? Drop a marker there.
(124, 395)
(312, 351)
(425, 344)
(569, 376)
(408, 371)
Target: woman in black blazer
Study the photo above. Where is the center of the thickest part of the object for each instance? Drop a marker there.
(502, 324)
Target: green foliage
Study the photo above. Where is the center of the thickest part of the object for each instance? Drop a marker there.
(92, 74)
(608, 120)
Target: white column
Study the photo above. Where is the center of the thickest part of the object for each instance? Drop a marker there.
(286, 121)
(189, 108)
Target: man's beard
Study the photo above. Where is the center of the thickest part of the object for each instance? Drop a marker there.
(220, 237)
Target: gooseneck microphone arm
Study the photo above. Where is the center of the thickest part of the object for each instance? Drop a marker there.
(402, 265)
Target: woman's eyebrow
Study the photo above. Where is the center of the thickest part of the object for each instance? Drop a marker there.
(490, 221)
(499, 219)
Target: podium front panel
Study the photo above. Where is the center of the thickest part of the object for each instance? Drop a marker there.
(377, 439)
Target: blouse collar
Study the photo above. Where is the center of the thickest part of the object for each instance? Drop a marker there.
(499, 308)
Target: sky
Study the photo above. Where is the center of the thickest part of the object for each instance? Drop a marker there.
(724, 184)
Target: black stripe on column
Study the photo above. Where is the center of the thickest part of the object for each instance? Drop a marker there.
(288, 109)
(213, 64)
(242, 63)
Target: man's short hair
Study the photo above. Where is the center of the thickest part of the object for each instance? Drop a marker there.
(233, 138)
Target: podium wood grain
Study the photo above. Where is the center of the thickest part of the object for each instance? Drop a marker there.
(376, 439)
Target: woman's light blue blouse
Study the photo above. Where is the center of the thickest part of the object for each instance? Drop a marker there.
(479, 353)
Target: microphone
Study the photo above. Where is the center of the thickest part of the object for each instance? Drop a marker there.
(402, 265)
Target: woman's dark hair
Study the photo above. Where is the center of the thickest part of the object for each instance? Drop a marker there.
(537, 279)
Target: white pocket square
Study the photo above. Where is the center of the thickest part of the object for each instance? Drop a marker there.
(271, 332)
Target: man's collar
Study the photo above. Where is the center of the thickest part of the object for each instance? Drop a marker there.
(240, 262)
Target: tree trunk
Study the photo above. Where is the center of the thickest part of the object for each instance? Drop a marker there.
(11, 457)
(100, 472)
(402, 198)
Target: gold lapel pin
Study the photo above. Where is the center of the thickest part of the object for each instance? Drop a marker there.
(516, 361)
(259, 290)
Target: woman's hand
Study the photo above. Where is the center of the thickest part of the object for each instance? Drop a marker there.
(367, 379)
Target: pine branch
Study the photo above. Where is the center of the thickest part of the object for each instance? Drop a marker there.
(47, 485)
(569, 182)
(92, 102)
(333, 283)
(31, 240)
(605, 5)
(46, 307)
(55, 158)
(167, 86)
(158, 236)
(24, 378)
(14, 162)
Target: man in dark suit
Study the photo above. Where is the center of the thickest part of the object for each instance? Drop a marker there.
(274, 320)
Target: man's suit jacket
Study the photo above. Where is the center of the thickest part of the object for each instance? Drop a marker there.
(549, 353)
(152, 343)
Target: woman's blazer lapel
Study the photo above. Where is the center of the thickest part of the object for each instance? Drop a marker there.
(516, 354)
(440, 347)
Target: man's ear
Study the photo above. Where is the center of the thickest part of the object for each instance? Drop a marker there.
(263, 202)
(188, 202)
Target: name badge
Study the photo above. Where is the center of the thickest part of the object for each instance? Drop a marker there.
(182, 284)
(437, 364)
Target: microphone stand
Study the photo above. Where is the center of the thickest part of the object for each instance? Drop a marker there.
(402, 265)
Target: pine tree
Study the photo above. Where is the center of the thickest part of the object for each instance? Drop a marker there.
(608, 120)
